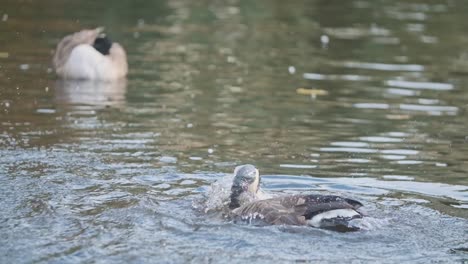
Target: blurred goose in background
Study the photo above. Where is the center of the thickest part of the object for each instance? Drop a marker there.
(322, 211)
(90, 55)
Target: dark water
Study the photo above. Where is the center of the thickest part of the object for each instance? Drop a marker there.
(366, 99)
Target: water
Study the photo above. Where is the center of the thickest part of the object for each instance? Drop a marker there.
(364, 99)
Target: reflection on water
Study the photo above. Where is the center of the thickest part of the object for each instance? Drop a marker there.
(95, 93)
(359, 98)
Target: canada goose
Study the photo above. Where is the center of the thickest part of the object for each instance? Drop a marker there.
(323, 211)
(91, 55)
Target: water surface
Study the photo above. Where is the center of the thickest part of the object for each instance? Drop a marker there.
(365, 99)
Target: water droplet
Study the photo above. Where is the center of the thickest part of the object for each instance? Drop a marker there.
(233, 10)
(325, 40)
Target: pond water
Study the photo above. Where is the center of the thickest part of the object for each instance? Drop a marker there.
(365, 99)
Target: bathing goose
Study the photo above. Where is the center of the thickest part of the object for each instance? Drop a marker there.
(90, 55)
(323, 211)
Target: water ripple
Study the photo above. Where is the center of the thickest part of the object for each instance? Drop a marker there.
(335, 77)
(384, 66)
(420, 85)
(431, 109)
(372, 105)
(351, 150)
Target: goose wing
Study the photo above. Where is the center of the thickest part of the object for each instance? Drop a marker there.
(270, 211)
(67, 44)
(295, 209)
(311, 205)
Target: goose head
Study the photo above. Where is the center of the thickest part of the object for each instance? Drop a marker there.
(245, 185)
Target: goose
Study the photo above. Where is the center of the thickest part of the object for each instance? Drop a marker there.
(90, 55)
(321, 211)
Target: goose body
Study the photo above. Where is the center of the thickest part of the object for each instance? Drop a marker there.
(322, 211)
(90, 55)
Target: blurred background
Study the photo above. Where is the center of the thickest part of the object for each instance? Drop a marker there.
(360, 98)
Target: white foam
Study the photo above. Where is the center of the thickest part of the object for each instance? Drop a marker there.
(218, 195)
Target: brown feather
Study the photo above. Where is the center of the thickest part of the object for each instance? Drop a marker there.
(293, 210)
(67, 44)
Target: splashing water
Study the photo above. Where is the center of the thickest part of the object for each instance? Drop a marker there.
(217, 198)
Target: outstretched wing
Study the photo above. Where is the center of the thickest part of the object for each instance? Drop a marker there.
(270, 211)
(295, 209)
(311, 205)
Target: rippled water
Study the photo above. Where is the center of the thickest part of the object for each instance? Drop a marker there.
(365, 99)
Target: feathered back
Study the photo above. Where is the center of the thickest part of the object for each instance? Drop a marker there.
(65, 47)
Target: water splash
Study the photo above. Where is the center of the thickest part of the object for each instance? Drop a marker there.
(218, 195)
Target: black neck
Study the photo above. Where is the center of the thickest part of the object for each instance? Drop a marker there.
(235, 193)
(103, 45)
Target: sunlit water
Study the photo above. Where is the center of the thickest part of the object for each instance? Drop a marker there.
(365, 99)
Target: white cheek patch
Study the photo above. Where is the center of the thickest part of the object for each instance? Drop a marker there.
(338, 213)
(253, 187)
